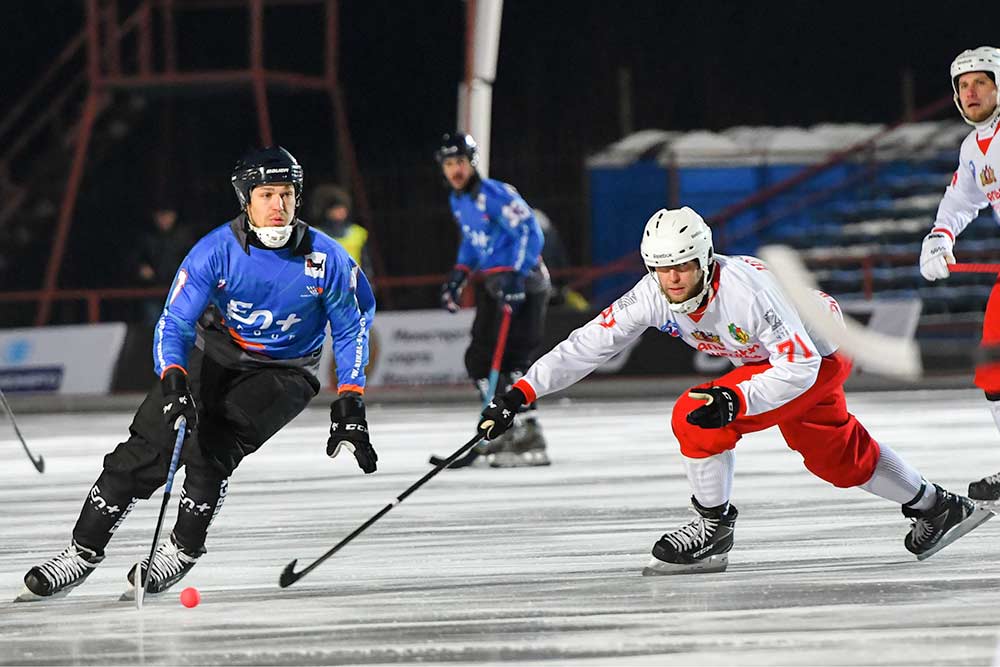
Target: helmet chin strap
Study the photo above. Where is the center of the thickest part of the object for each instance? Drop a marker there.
(989, 121)
(271, 237)
(983, 123)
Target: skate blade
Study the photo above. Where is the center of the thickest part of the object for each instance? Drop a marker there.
(657, 567)
(129, 594)
(27, 596)
(978, 517)
(522, 460)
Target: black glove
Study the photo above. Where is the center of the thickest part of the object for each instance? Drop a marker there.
(349, 429)
(178, 401)
(451, 291)
(512, 289)
(498, 416)
(722, 406)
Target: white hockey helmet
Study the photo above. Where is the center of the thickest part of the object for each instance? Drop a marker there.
(675, 237)
(983, 59)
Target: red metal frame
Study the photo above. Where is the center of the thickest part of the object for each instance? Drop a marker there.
(104, 71)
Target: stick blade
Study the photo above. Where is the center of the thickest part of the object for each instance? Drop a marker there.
(288, 575)
(890, 356)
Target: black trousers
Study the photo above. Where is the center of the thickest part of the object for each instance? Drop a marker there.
(526, 329)
(238, 411)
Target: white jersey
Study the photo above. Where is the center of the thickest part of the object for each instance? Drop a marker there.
(747, 319)
(974, 184)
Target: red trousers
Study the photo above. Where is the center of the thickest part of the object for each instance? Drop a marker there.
(988, 374)
(833, 443)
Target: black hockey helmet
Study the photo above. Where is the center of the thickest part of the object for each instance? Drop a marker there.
(272, 164)
(457, 144)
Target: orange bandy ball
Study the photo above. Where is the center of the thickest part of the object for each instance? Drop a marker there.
(190, 597)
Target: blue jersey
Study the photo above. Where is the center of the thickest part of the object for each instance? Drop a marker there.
(499, 230)
(272, 306)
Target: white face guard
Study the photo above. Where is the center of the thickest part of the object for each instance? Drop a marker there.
(272, 237)
(983, 59)
(675, 237)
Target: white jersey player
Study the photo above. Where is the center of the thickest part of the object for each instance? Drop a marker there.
(974, 78)
(785, 376)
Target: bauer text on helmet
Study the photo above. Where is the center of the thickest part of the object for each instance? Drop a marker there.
(672, 240)
(974, 77)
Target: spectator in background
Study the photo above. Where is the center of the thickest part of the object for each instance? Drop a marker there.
(161, 250)
(332, 216)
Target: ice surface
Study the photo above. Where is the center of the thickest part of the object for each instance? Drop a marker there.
(527, 566)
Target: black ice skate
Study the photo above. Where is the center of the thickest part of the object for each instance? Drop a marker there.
(986, 491)
(170, 563)
(524, 446)
(59, 575)
(951, 517)
(700, 546)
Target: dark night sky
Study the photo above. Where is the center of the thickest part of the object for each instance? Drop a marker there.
(693, 65)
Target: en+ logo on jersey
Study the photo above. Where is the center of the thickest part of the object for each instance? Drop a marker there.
(258, 320)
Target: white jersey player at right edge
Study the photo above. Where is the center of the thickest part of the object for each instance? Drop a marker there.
(785, 376)
(975, 75)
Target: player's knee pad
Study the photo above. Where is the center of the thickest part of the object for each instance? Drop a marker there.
(135, 468)
(477, 361)
(225, 445)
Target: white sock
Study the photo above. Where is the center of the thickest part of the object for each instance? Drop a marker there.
(896, 480)
(711, 478)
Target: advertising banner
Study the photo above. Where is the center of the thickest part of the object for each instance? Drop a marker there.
(76, 359)
(412, 347)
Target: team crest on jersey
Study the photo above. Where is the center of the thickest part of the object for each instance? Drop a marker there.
(986, 176)
(316, 264)
(671, 328)
(739, 335)
(705, 337)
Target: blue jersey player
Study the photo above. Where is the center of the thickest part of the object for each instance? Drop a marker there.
(237, 349)
(501, 245)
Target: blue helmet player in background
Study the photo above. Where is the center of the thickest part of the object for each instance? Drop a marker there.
(237, 349)
(501, 243)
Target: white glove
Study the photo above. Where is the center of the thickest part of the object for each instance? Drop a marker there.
(935, 256)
